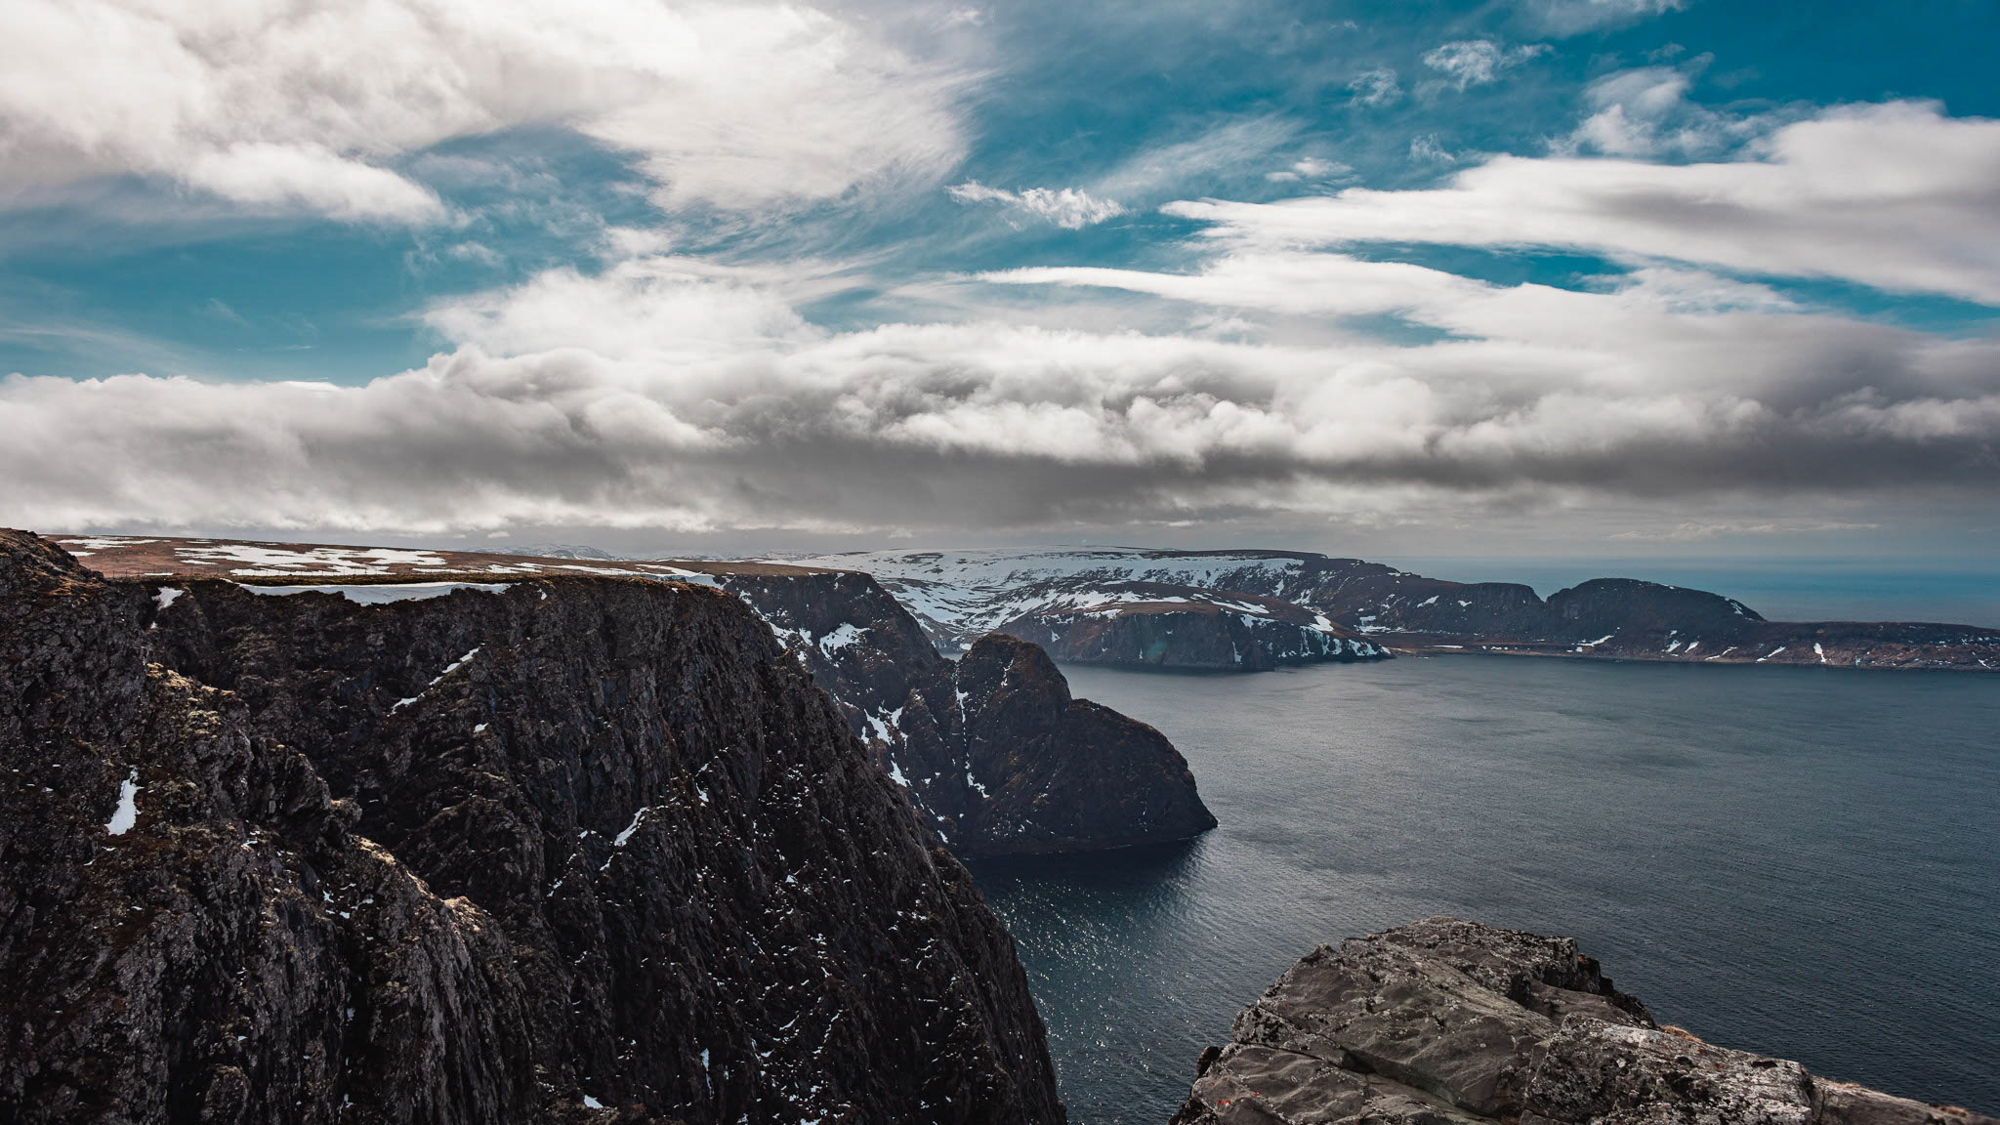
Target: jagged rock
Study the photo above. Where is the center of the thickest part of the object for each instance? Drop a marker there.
(991, 746)
(474, 858)
(1448, 1021)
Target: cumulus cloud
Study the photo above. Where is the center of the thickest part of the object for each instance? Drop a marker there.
(1897, 196)
(653, 390)
(668, 393)
(1069, 208)
(311, 106)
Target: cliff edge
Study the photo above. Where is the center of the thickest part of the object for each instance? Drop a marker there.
(588, 849)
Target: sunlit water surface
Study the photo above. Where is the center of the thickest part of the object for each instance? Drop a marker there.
(1795, 861)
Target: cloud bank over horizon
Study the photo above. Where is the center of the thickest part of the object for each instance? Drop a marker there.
(1659, 307)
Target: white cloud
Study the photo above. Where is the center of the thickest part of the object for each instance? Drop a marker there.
(1069, 208)
(311, 105)
(1425, 147)
(1223, 149)
(1572, 17)
(310, 178)
(1646, 112)
(1311, 168)
(668, 393)
(1376, 87)
(1476, 62)
(1896, 196)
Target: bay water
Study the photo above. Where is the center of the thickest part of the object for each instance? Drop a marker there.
(1801, 862)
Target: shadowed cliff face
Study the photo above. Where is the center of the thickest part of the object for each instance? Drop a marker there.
(1447, 1022)
(475, 858)
(990, 746)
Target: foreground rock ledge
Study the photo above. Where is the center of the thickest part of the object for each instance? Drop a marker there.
(1447, 1021)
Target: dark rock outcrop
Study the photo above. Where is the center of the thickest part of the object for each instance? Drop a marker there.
(474, 858)
(1447, 1022)
(991, 745)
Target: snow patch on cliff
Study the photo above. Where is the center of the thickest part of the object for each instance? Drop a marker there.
(127, 813)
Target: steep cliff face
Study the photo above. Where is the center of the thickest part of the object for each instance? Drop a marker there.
(991, 746)
(1447, 1022)
(1054, 773)
(479, 858)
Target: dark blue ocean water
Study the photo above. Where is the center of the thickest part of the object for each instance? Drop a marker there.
(1797, 861)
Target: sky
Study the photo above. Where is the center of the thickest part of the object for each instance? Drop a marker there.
(1586, 278)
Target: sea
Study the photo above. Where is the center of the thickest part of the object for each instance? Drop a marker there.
(1801, 862)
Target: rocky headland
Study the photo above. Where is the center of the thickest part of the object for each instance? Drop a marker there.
(582, 849)
(1084, 605)
(991, 747)
(1448, 1022)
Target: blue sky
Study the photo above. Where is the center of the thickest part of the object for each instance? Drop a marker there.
(1529, 276)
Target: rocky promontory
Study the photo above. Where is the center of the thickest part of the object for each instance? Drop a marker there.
(990, 745)
(1016, 766)
(1448, 1022)
(577, 849)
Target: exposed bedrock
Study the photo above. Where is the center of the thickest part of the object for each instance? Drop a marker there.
(991, 746)
(589, 850)
(1447, 1022)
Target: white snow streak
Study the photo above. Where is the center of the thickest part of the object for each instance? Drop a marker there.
(618, 841)
(127, 813)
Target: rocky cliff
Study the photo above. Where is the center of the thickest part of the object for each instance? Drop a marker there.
(1076, 594)
(1447, 1022)
(591, 849)
(991, 746)
(1044, 773)
(1154, 625)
